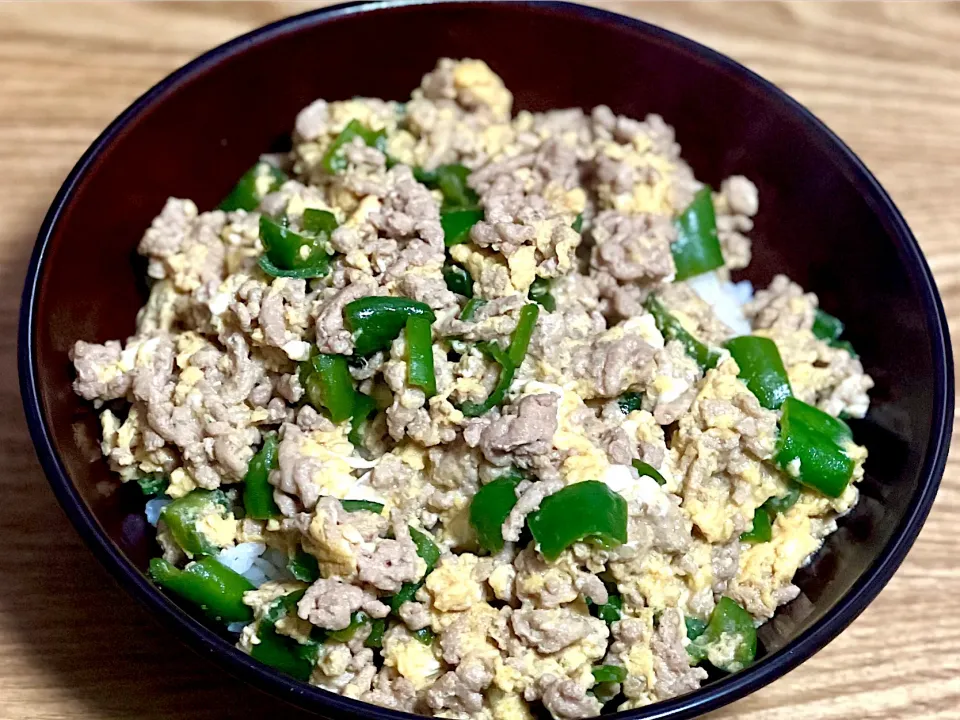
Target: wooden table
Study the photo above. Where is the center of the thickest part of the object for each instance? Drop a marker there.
(72, 645)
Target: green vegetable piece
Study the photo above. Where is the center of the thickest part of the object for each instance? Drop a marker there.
(609, 611)
(507, 370)
(215, 589)
(335, 160)
(154, 484)
(252, 186)
(458, 279)
(406, 593)
(470, 308)
(609, 673)
(540, 293)
(697, 248)
(630, 401)
(451, 180)
(648, 470)
(258, 500)
(729, 624)
(826, 326)
(587, 511)
(420, 371)
(358, 505)
(671, 329)
(695, 627)
(489, 509)
(810, 448)
(376, 321)
(456, 224)
(319, 222)
(761, 530)
(304, 567)
(426, 548)
(761, 369)
(328, 384)
(424, 635)
(777, 505)
(363, 406)
(357, 620)
(287, 251)
(181, 517)
(578, 223)
(280, 651)
(375, 638)
(520, 340)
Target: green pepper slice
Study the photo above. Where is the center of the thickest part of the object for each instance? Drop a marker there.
(451, 181)
(507, 370)
(363, 406)
(288, 253)
(376, 321)
(630, 401)
(375, 638)
(520, 340)
(304, 567)
(280, 651)
(424, 635)
(334, 159)
(540, 293)
(810, 448)
(430, 553)
(609, 673)
(420, 370)
(609, 611)
(578, 223)
(761, 369)
(214, 588)
(153, 485)
(181, 517)
(257, 491)
(671, 329)
(456, 224)
(760, 531)
(471, 308)
(648, 470)
(695, 627)
(728, 621)
(584, 511)
(777, 505)
(252, 186)
(697, 247)
(458, 279)
(826, 326)
(357, 620)
(328, 384)
(489, 509)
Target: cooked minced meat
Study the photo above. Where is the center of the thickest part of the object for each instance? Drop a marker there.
(539, 467)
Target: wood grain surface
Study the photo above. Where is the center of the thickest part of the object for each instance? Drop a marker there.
(885, 77)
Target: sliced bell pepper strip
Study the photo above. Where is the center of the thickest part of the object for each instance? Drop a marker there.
(695, 627)
(729, 641)
(430, 554)
(648, 470)
(452, 183)
(630, 401)
(375, 638)
(826, 326)
(334, 159)
(458, 279)
(810, 448)
(357, 620)
(609, 611)
(153, 485)
(697, 247)
(420, 370)
(761, 369)
(540, 293)
(761, 530)
(671, 329)
(363, 405)
(376, 321)
(424, 635)
(473, 304)
(257, 491)
(280, 651)
(489, 509)
(609, 673)
(520, 340)
(252, 186)
(182, 515)
(578, 223)
(214, 588)
(304, 567)
(328, 384)
(358, 505)
(777, 505)
(588, 511)
(456, 224)
(499, 392)
(291, 251)
(319, 222)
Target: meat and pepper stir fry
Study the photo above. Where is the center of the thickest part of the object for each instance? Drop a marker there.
(458, 412)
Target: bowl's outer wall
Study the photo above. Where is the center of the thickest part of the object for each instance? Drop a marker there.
(203, 131)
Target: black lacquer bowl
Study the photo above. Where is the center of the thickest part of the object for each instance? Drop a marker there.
(824, 220)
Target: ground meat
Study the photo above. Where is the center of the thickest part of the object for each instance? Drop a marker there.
(724, 563)
(460, 690)
(529, 500)
(99, 376)
(679, 298)
(633, 247)
(414, 615)
(525, 428)
(737, 202)
(185, 245)
(566, 699)
(671, 663)
(391, 691)
(332, 336)
(549, 631)
(674, 385)
(286, 301)
(391, 564)
(783, 305)
(329, 604)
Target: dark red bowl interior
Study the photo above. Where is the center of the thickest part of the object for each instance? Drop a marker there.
(824, 220)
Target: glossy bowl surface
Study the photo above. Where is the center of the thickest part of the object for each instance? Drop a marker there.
(824, 220)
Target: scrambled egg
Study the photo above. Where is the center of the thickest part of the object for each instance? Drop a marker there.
(415, 661)
(452, 584)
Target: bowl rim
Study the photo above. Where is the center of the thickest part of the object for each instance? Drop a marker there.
(208, 643)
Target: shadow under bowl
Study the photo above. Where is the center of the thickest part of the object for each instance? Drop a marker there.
(824, 221)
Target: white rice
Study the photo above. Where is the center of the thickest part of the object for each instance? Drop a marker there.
(240, 558)
(153, 508)
(726, 299)
(256, 562)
